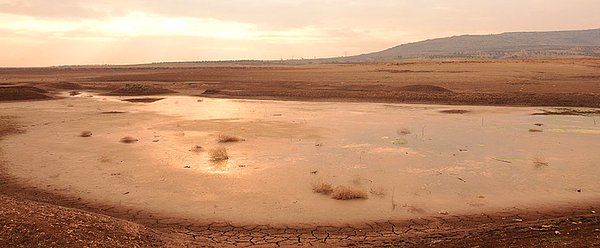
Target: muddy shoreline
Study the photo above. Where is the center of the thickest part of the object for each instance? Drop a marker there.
(573, 225)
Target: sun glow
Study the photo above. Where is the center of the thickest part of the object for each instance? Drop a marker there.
(138, 24)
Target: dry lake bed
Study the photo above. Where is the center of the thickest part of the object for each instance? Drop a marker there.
(403, 161)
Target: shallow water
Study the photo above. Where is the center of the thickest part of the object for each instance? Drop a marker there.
(423, 161)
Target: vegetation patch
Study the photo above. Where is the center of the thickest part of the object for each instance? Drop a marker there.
(539, 163)
(218, 154)
(113, 112)
(197, 149)
(144, 100)
(378, 191)
(322, 188)
(129, 140)
(15, 93)
(425, 88)
(140, 90)
(85, 134)
(8, 126)
(568, 111)
(348, 193)
(455, 111)
(403, 131)
(228, 138)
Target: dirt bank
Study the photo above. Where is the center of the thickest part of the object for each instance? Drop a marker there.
(560, 82)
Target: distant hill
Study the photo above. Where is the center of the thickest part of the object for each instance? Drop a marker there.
(581, 43)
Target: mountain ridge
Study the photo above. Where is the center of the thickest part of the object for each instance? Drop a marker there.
(568, 43)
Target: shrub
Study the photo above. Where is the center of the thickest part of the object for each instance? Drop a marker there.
(85, 134)
(228, 138)
(348, 193)
(129, 139)
(322, 188)
(218, 154)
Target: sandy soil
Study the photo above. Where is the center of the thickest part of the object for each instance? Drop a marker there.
(103, 198)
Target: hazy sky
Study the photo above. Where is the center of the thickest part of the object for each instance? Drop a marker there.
(57, 32)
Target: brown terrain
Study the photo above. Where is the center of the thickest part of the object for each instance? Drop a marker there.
(31, 216)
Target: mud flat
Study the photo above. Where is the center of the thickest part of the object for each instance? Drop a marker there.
(414, 163)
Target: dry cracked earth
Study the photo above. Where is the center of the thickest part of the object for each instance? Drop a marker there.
(32, 217)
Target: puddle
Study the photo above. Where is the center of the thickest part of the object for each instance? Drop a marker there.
(416, 160)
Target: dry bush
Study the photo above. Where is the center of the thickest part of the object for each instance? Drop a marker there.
(535, 131)
(322, 188)
(85, 134)
(228, 138)
(129, 139)
(218, 154)
(348, 193)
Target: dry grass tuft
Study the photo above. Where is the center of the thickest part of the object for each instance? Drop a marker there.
(9, 126)
(104, 159)
(197, 148)
(128, 140)
(228, 138)
(378, 191)
(569, 111)
(403, 131)
(535, 131)
(322, 188)
(538, 163)
(218, 154)
(348, 193)
(85, 134)
(455, 111)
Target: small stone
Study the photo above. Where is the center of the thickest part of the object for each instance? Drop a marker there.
(593, 212)
(557, 232)
(443, 212)
(518, 220)
(187, 167)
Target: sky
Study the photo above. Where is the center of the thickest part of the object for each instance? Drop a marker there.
(69, 32)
